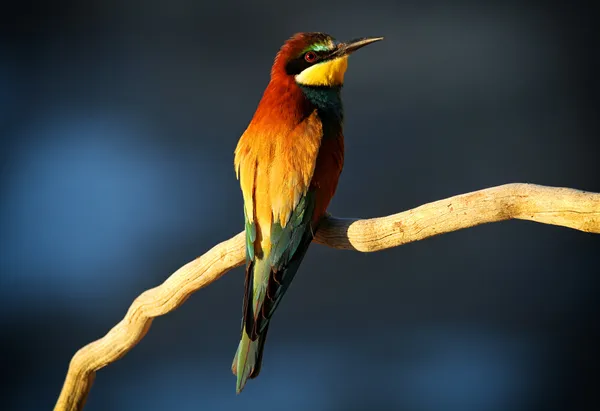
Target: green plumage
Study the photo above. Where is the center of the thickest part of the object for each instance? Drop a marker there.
(267, 280)
(250, 238)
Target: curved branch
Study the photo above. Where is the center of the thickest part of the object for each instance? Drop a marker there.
(566, 207)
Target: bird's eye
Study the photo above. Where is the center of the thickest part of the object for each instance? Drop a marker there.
(310, 57)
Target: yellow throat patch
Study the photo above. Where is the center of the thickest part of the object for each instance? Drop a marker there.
(328, 73)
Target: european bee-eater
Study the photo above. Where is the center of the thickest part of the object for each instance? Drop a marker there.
(288, 162)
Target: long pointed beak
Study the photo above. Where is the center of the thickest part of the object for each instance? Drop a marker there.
(350, 47)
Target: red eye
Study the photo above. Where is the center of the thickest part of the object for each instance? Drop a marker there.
(310, 57)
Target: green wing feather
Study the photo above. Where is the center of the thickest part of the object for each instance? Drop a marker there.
(267, 280)
(270, 278)
(250, 237)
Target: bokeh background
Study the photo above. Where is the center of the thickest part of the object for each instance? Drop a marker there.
(118, 121)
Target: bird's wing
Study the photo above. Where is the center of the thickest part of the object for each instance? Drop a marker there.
(275, 173)
(288, 247)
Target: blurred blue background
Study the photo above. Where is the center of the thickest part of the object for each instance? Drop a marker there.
(118, 122)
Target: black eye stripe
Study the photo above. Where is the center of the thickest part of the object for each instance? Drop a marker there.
(321, 54)
(295, 66)
(298, 64)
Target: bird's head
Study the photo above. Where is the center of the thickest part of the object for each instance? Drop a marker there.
(316, 59)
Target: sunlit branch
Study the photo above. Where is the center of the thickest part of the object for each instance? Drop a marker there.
(548, 205)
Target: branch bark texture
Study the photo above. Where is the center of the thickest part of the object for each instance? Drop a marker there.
(566, 207)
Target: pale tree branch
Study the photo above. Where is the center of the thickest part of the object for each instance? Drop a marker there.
(548, 205)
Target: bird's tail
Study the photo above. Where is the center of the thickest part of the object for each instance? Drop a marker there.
(248, 358)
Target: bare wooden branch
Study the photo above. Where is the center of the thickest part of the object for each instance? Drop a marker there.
(549, 205)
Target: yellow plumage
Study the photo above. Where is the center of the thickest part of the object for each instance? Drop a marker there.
(328, 73)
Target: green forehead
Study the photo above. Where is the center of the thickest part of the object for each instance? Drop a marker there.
(321, 46)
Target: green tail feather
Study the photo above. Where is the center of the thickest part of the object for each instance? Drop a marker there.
(248, 359)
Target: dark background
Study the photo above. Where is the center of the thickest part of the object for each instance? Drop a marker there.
(118, 122)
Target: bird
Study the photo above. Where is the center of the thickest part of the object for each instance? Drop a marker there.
(288, 162)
